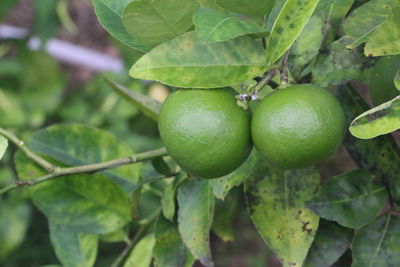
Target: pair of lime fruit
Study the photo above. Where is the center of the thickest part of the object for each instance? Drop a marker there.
(209, 135)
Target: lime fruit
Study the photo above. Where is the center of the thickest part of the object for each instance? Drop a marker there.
(381, 79)
(298, 126)
(205, 131)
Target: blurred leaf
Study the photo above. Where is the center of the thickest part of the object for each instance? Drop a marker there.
(338, 66)
(366, 19)
(353, 199)
(142, 253)
(162, 19)
(250, 8)
(149, 204)
(119, 235)
(288, 26)
(330, 242)
(378, 244)
(380, 155)
(276, 203)
(397, 80)
(150, 107)
(110, 13)
(72, 248)
(306, 46)
(385, 40)
(215, 26)
(5, 5)
(196, 209)
(210, 4)
(46, 22)
(379, 120)
(224, 218)
(161, 166)
(169, 250)
(14, 222)
(3, 146)
(222, 186)
(276, 9)
(197, 65)
(334, 11)
(345, 260)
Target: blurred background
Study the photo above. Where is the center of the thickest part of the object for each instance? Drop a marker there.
(53, 57)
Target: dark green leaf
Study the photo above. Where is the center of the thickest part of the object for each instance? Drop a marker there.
(110, 13)
(330, 242)
(380, 120)
(142, 253)
(186, 62)
(276, 203)
(251, 8)
(3, 146)
(169, 250)
(288, 26)
(215, 26)
(196, 209)
(161, 166)
(46, 22)
(345, 260)
(352, 199)
(72, 248)
(397, 80)
(378, 244)
(161, 19)
(334, 11)
(224, 218)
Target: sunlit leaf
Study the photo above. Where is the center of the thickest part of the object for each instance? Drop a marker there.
(142, 253)
(251, 8)
(3, 146)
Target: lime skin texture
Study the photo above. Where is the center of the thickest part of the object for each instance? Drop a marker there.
(381, 79)
(298, 126)
(205, 131)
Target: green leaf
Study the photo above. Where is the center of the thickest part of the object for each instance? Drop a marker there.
(215, 26)
(210, 4)
(72, 248)
(306, 46)
(330, 242)
(186, 62)
(169, 250)
(225, 217)
(366, 19)
(352, 199)
(288, 26)
(397, 80)
(250, 8)
(334, 11)
(196, 209)
(338, 66)
(46, 21)
(76, 144)
(276, 203)
(110, 14)
(379, 120)
(222, 186)
(150, 107)
(380, 155)
(385, 40)
(378, 244)
(3, 146)
(142, 253)
(119, 235)
(161, 166)
(161, 19)
(276, 9)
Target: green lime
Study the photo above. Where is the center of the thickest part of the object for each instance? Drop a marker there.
(298, 126)
(205, 131)
(381, 79)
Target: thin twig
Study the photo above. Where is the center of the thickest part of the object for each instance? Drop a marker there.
(90, 168)
(265, 80)
(283, 69)
(30, 154)
(129, 247)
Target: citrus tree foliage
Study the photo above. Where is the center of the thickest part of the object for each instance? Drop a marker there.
(109, 185)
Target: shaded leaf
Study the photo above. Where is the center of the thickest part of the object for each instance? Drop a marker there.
(215, 26)
(330, 242)
(352, 199)
(334, 11)
(276, 203)
(378, 243)
(186, 62)
(142, 253)
(3, 146)
(251, 8)
(168, 198)
(169, 250)
(366, 19)
(161, 19)
(397, 80)
(119, 235)
(150, 107)
(385, 40)
(161, 166)
(109, 14)
(380, 155)
(379, 120)
(288, 26)
(345, 260)
(225, 212)
(72, 248)
(196, 209)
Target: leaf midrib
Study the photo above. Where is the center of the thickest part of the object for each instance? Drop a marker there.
(349, 199)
